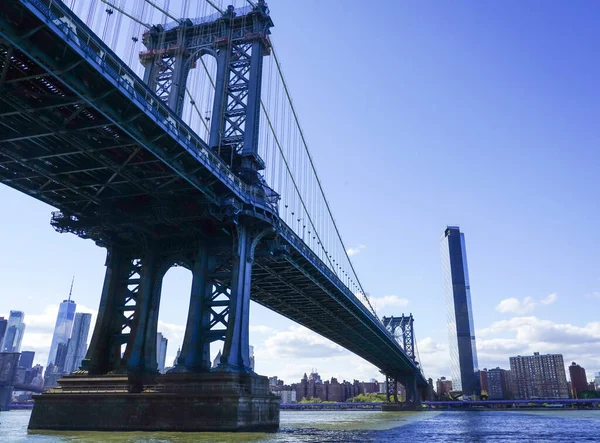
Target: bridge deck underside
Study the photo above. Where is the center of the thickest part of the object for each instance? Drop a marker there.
(61, 150)
(72, 139)
(292, 287)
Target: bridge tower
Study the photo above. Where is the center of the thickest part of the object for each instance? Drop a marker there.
(238, 42)
(402, 328)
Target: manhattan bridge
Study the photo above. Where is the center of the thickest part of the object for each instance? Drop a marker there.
(173, 141)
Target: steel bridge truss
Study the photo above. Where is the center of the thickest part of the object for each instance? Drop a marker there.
(402, 329)
(237, 40)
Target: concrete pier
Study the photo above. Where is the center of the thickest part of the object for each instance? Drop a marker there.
(214, 401)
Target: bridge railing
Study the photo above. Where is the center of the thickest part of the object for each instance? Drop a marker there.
(78, 35)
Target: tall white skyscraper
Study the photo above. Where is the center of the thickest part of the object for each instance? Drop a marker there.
(63, 326)
(161, 352)
(14, 332)
(77, 346)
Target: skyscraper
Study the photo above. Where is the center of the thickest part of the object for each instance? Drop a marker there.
(26, 360)
(498, 384)
(3, 326)
(61, 357)
(539, 376)
(461, 331)
(77, 345)
(63, 326)
(161, 352)
(14, 332)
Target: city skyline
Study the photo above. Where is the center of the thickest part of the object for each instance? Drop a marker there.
(525, 144)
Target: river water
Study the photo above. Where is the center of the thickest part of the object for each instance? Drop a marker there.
(359, 426)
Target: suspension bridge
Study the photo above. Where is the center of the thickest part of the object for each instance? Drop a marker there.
(174, 141)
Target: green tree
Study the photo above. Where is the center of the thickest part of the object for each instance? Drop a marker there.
(368, 398)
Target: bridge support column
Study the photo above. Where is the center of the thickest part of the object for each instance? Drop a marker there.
(412, 393)
(140, 355)
(236, 350)
(391, 384)
(195, 351)
(412, 401)
(104, 352)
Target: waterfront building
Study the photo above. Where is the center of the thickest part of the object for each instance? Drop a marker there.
(461, 330)
(62, 328)
(52, 375)
(336, 391)
(15, 328)
(370, 387)
(3, 326)
(597, 380)
(77, 345)
(27, 375)
(251, 352)
(26, 360)
(37, 375)
(216, 361)
(443, 387)
(578, 379)
(161, 351)
(539, 376)
(287, 394)
(483, 383)
(498, 384)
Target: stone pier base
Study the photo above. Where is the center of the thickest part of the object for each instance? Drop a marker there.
(215, 401)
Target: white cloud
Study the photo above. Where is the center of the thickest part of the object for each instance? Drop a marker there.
(434, 358)
(595, 294)
(551, 298)
(388, 304)
(262, 329)
(300, 342)
(531, 334)
(290, 353)
(515, 306)
(174, 333)
(390, 301)
(356, 250)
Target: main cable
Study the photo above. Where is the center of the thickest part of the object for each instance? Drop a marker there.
(279, 70)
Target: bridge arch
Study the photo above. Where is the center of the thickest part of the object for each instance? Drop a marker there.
(201, 68)
(176, 284)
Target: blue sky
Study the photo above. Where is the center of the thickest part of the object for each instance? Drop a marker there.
(418, 115)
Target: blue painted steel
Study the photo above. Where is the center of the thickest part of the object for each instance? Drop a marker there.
(98, 56)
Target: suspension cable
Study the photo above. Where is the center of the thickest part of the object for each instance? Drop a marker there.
(148, 26)
(278, 65)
